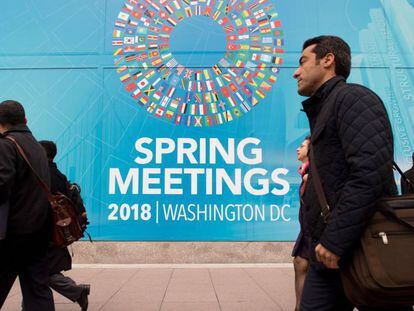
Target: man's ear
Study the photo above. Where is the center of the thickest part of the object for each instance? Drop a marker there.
(328, 60)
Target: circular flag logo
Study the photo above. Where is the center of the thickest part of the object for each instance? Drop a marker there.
(160, 79)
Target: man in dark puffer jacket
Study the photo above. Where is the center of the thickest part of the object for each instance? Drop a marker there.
(353, 150)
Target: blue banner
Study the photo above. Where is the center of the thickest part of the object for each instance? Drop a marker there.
(180, 119)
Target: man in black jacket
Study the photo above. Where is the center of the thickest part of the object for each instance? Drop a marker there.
(407, 186)
(23, 251)
(352, 145)
(59, 259)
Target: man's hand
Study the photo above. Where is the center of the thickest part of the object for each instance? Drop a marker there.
(329, 259)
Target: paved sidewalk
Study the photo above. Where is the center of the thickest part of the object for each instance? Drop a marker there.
(180, 288)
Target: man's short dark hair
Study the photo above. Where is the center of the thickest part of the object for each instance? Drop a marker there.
(50, 148)
(335, 45)
(12, 113)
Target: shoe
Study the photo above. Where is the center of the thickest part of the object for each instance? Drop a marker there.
(83, 299)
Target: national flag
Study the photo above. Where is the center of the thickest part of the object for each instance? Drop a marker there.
(263, 22)
(183, 108)
(277, 60)
(151, 107)
(177, 4)
(117, 42)
(130, 87)
(188, 11)
(265, 30)
(156, 61)
(279, 42)
(164, 101)
(228, 28)
(250, 21)
(125, 77)
(157, 95)
(210, 85)
(118, 60)
(227, 116)
(169, 8)
(123, 16)
(206, 74)
(137, 93)
(231, 101)
(237, 112)
(142, 83)
(239, 64)
(144, 100)
(219, 82)
(259, 14)
(209, 121)
(202, 109)
(275, 24)
(245, 106)
(233, 87)
(255, 47)
(169, 114)
(177, 119)
(272, 79)
(171, 91)
(136, 74)
(260, 93)
(218, 118)
(197, 121)
(117, 33)
(267, 49)
(266, 58)
(129, 40)
(149, 90)
(132, 23)
(213, 108)
(160, 111)
(172, 21)
(193, 109)
(153, 4)
(136, 14)
(174, 104)
(122, 69)
(149, 73)
(217, 70)
(266, 86)
(242, 30)
(120, 24)
(226, 77)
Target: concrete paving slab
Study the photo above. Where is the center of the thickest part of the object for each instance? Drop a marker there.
(179, 287)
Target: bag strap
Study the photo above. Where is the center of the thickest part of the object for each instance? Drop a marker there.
(325, 208)
(40, 181)
(404, 177)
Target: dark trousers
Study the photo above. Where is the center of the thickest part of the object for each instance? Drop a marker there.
(25, 257)
(65, 286)
(323, 291)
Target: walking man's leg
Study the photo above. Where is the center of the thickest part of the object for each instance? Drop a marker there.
(323, 291)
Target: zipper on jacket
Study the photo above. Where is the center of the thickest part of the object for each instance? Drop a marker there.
(384, 237)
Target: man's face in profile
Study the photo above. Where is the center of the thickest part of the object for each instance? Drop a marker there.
(310, 72)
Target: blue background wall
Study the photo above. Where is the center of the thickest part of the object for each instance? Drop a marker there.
(56, 58)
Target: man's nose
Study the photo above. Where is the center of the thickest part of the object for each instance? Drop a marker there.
(296, 73)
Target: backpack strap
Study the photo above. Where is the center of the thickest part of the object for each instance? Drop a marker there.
(40, 181)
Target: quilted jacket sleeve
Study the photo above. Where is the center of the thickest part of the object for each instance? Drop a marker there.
(7, 168)
(365, 134)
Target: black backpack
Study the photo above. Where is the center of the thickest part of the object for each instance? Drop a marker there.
(76, 198)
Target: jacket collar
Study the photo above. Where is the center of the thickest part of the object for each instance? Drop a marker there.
(22, 128)
(313, 104)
